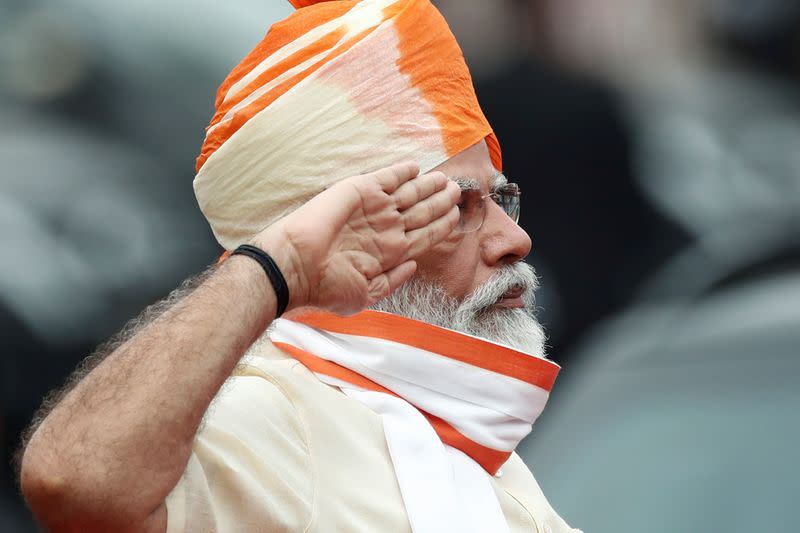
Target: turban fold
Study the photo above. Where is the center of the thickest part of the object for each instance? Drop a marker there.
(338, 88)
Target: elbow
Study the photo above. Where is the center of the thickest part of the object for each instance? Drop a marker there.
(43, 487)
(71, 500)
(55, 495)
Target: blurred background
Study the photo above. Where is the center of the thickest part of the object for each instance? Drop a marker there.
(658, 148)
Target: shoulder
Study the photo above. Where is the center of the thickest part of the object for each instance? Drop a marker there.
(250, 462)
(517, 481)
(258, 397)
(274, 450)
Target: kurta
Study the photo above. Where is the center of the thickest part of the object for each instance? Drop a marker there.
(278, 450)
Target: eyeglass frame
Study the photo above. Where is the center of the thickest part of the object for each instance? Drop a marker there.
(500, 182)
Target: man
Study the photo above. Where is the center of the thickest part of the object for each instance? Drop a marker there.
(374, 422)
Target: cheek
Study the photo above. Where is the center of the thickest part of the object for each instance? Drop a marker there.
(452, 263)
(457, 282)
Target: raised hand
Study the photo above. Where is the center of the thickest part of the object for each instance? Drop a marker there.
(354, 243)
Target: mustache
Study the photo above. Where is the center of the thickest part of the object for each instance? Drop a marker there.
(477, 314)
(519, 275)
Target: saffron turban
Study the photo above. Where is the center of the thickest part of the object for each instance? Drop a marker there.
(338, 88)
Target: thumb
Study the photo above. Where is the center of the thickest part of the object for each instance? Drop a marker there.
(385, 284)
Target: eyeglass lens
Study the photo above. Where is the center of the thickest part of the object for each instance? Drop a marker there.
(473, 208)
(507, 197)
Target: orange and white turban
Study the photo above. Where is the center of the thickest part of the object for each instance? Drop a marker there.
(339, 88)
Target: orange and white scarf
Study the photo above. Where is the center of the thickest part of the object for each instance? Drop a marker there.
(453, 406)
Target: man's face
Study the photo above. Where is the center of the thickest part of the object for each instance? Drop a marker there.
(465, 261)
(475, 282)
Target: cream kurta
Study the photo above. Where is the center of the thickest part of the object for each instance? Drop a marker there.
(281, 451)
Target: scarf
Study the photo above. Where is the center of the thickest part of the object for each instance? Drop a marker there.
(453, 406)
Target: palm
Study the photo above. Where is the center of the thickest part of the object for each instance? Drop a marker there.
(355, 242)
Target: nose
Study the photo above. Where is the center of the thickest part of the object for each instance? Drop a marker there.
(503, 241)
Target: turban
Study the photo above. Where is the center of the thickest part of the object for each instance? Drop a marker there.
(338, 88)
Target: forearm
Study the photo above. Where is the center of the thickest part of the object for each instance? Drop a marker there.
(110, 452)
(117, 444)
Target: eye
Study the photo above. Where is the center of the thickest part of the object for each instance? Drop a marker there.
(507, 197)
(469, 197)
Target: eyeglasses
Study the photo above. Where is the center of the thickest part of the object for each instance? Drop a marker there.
(472, 206)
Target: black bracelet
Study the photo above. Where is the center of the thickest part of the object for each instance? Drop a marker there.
(273, 273)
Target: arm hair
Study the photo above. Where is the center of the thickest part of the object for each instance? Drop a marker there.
(90, 362)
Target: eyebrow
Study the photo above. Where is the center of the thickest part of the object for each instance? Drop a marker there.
(498, 180)
(466, 183)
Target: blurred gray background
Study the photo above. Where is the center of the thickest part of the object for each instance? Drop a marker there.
(658, 148)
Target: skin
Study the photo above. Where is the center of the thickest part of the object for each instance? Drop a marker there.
(464, 261)
(108, 454)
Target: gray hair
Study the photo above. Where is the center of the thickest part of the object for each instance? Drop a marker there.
(477, 314)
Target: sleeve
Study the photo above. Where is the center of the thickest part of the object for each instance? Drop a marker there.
(250, 468)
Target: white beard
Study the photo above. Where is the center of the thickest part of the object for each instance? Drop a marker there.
(477, 314)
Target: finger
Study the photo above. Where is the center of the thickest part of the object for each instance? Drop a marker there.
(382, 286)
(390, 178)
(433, 207)
(418, 189)
(366, 264)
(424, 238)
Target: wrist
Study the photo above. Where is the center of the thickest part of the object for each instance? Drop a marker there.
(273, 272)
(287, 258)
(252, 285)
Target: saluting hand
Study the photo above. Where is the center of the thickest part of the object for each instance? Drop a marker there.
(354, 243)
